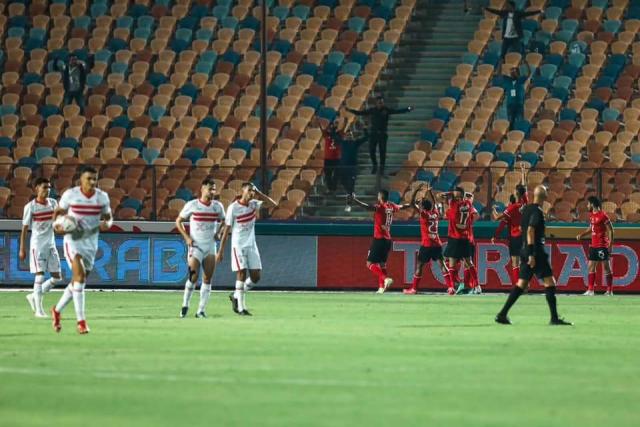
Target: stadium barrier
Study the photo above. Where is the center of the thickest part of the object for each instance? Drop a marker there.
(323, 256)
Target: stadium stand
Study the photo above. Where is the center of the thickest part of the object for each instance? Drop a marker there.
(172, 94)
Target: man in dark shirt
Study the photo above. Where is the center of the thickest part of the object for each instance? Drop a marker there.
(534, 260)
(349, 159)
(514, 94)
(74, 77)
(378, 133)
(512, 26)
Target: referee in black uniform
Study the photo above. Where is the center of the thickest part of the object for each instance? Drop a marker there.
(534, 260)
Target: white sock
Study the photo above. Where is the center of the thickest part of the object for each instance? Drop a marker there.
(239, 294)
(50, 283)
(188, 291)
(248, 284)
(205, 291)
(37, 292)
(67, 296)
(78, 299)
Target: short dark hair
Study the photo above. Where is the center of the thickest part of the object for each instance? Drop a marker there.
(385, 194)
(521, 190)
(40, 181)
(512, 199)
(426, 204)
(379, 98)
(594, 201)
(512, 3)
(87, 169)
(208, 181)
(460, 189)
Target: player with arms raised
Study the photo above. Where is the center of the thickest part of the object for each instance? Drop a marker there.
(91, 209)
(245, 257)
(601, 247)
(383, 212)
(430, 243)
(43, 255)
(204, 216)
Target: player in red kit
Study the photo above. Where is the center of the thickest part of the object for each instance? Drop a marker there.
(430, 243)
(383, 212)
(470, 280)
(601, 246)
(459, 214)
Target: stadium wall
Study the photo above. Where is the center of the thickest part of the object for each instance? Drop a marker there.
(324, 256)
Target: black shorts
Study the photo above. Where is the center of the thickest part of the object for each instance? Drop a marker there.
(541, 270)
(458, 249)
(598, 254)
(379, 251)
(430, 253)
(515, 246)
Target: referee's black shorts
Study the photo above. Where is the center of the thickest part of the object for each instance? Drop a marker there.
(379, 251)
(458, 249)
(515, 246)
(541, 270)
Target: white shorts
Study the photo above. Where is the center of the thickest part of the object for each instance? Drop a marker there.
(86, 248)
(247, 258)
(201, 250)
(44, 260)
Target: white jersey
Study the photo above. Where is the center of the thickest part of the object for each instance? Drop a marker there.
(242, 220)
(86, 209)
(204, 219)
(39, 218)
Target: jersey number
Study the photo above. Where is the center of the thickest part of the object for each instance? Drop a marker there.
(464, 216)
(433, 229)
(389, 218)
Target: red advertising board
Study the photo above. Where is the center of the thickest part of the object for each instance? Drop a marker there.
(342, 264)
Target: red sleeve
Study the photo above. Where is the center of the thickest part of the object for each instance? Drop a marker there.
(396, 208)
(501, 227)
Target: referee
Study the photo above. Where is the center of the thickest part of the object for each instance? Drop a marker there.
(534, 260)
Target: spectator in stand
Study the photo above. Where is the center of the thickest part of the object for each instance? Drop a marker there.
(349, 160)
(331, 154)
(74, 78)
(378, 130)
(512, 33)
(514, 86)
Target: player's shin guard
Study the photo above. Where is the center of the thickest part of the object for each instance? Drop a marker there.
(37, 292)
(78, 299)
(248, 284)
(50, 283)
(550, 293)
(66, 297)
(416, 282)
(189, 287)
(205, 292)
(515, 275)
(239, 294)
(449, 275)
(473, 276)
(592, 281)
(377, 270)
(609, 280)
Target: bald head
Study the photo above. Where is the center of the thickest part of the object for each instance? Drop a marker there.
(540, 194)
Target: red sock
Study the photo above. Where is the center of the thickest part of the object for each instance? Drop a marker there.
(515, 275)
(375, 269)
(453, 270)
(609, 279)
(592, 281)
(468, 281)
(416, 282)
(449, 276)
(473, 276)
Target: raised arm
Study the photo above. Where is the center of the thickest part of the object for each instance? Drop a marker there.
(365, 112)
(400, 110)
(263, 197)
(526, 14)
(354, 199)
(494, 11)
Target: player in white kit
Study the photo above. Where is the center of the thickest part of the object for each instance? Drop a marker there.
(245, 258)
(204, 216)
(43, 255)
(91, 208)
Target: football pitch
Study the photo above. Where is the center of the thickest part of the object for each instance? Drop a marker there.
(312, 359)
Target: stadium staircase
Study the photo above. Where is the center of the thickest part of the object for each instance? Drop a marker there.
(418, 74)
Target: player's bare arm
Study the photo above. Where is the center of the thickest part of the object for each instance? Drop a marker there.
(58, 212)
(414, 197)
(261, 196)
(531, 239)
(220, 231)
(585, 232)
(106, 221)
(23, 239)
(180, 226)
(354, 199)
(223, 242)
(610, 233)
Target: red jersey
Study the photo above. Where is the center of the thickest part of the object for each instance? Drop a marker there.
(382, 219)
(331, 149)
(599, 236)
(474, 212)
(429, 228)
(513, 218)
(459, 213)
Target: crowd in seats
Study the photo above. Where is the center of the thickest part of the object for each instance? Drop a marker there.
(173, 94)
(579, 133)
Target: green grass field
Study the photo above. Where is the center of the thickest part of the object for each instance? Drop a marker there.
(321, 360)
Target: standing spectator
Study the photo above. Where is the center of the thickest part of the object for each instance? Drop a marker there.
(512, 26)
(349, 159)
(331, 155)
(514, 86)
(378, 136)
(74, 78)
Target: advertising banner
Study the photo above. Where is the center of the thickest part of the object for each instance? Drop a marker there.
(342, 264)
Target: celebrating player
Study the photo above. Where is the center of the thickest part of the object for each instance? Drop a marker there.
(43, 255)
(91, 209)
(204, 216)
(381, 245)
(431, 245)
(459, 214)
(534, 260)
(512, 217)
(601, 246)
(469, 279)
(245, 258)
